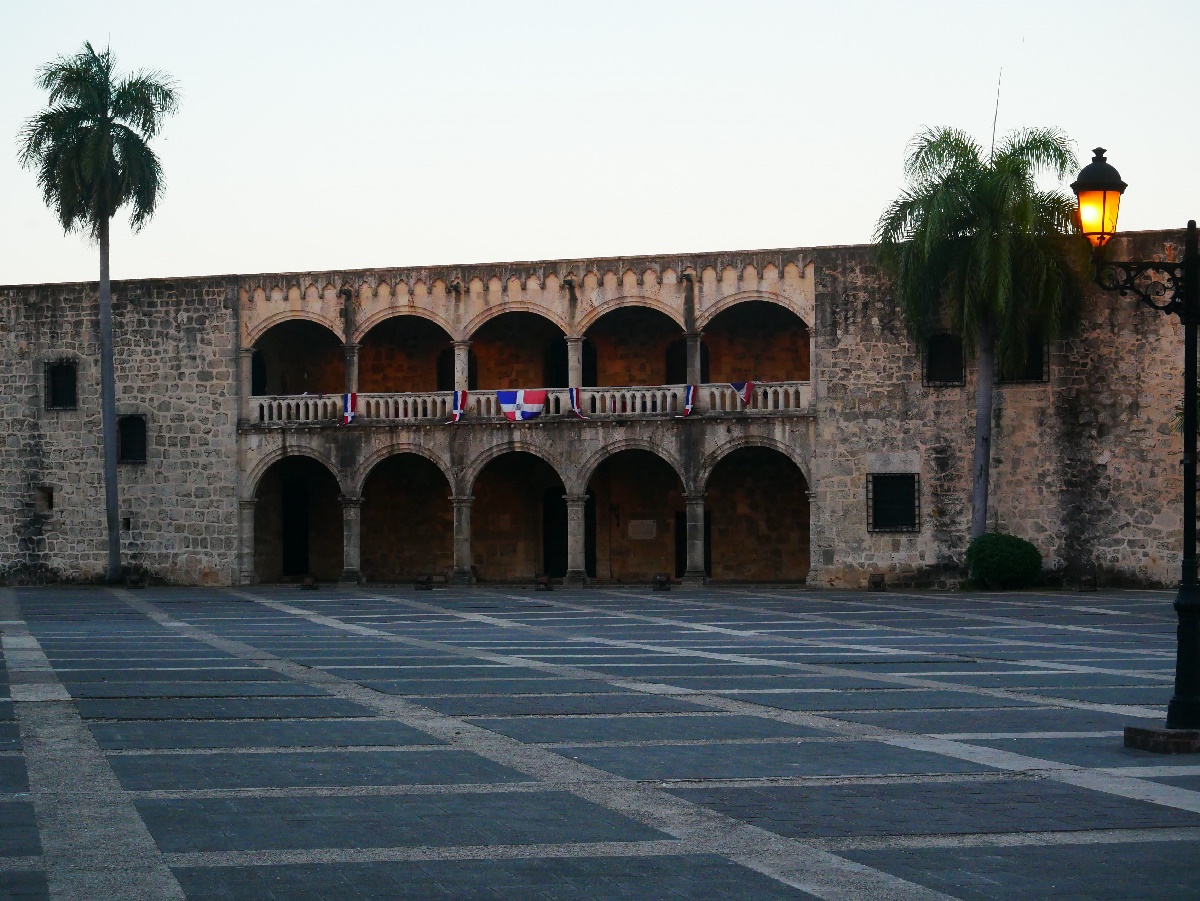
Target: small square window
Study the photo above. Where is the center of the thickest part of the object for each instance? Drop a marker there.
(944, 360)
(893, 502)
(43, 499)
(131, 439)
(61, 393)
(1037, 364)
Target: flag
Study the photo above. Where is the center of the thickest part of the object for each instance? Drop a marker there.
(574, 394)
(460, 407)
(689, 399)
(745, 390)
(521, 404)
(349, 408)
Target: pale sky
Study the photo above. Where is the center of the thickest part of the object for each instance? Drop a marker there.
(315, 136)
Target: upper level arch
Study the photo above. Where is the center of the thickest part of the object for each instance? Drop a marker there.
(376, 317)
(298, 355)
(803, 311)
(482, 318)
(256, 330)
(588, 319)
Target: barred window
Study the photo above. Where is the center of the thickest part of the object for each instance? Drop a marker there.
(893, 502)
(61, 391)
(131, 439)
(944, 360)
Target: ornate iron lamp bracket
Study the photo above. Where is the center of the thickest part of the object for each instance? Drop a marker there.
(1164, 293)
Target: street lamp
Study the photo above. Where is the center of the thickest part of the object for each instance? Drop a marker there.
(1168, 288)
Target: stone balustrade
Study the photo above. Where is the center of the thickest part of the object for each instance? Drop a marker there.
(768, 398)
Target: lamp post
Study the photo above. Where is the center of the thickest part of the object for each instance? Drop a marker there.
(1168, 288)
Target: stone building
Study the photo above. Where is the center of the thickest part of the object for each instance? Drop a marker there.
(851, 457)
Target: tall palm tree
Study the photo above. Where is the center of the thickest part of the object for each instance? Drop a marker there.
(976, 242)
(89, 149)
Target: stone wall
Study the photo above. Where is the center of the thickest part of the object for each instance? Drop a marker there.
(176, 360)
(1084, 466)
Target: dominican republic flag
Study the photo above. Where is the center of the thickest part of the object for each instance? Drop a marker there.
(745, 390)
(349, 408)
(689, 400)
(521, 404)
(460, 406)
(574, 394)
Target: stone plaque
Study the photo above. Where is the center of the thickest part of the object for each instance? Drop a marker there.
(643, 529)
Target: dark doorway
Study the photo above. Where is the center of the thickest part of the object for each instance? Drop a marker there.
(554, 533)
(295, 526)
(681, 543)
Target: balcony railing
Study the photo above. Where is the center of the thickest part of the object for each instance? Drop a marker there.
(767, 399)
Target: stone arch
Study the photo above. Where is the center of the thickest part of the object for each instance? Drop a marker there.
(368, 323)
(363, 470)
(588, 468)
(465, 483)
(710, 461)
(251, 482)
(743, 296)
(629, 300)
(260, 328)
(491, 313)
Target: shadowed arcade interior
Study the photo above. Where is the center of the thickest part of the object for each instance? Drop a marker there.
(508, 534)
(520, 350)
(757, 340)
(758, 502)
(407, 520)
(297, 522)
(632, 347)
(298, 357)
(638, 495)
(405, 354)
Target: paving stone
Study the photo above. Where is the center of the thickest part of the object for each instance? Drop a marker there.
(256, 734)
(18, 831)
(891, 699)
(10, 737)
(639, 728)
(690, 876)
(996, 720)
(841, 758)
(1191, 783)
(570, 704)
(26, 886)
(174, 772)
(209, 689)
(12, 776)
(219, 708)
(248, 824)
(421, 687)
(1164, 871)
(1086, 751)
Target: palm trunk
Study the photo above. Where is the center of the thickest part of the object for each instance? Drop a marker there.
(108, 412)
(983, 431)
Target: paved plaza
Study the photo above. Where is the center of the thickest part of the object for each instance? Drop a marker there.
(486, 743)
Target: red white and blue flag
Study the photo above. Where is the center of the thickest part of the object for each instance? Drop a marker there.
(574, 394)
(745, 390)
(349, 408)
(689, 400)
(521, 404)
(460, 406)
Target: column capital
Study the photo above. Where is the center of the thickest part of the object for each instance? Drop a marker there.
(697, 498)
(573, 339)
(247, 503)
(246, 351)
(351, 345)
(461, 342)
(350, 500)
(579, 499)
(461, 500)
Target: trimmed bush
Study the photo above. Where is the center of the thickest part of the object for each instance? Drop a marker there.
(1003, 561)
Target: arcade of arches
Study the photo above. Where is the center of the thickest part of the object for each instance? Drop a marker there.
(633, 522)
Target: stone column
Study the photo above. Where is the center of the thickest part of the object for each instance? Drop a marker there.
(246, 536)
(463, 574)
(246, 384)
(693, 357)
(351, 539)
(694, 575)
(574, 362)
(576, 540)
(351, 368)
(462, 365)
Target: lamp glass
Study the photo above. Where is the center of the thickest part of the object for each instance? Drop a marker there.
(1098, 215)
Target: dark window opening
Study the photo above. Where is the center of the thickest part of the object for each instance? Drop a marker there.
(1037, 364)
(258, 374)
(677, 362)
(590, 376)
(944, 360)
(131, 439)
(43, 499)
(61, 391)
(127, 524)
(893, 503)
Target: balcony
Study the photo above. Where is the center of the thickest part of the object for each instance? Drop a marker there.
(718, 399)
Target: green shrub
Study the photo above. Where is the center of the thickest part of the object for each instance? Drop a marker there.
(1003, 561)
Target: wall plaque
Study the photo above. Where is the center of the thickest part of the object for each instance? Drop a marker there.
(643, 529)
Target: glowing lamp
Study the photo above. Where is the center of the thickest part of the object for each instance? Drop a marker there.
(1098, 189)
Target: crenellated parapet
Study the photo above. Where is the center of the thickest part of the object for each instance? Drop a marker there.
(573, 294)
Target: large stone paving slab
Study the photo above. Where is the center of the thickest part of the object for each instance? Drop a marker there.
(313, 733)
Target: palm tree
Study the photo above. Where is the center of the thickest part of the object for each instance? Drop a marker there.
(89, 149)
(976, 243)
